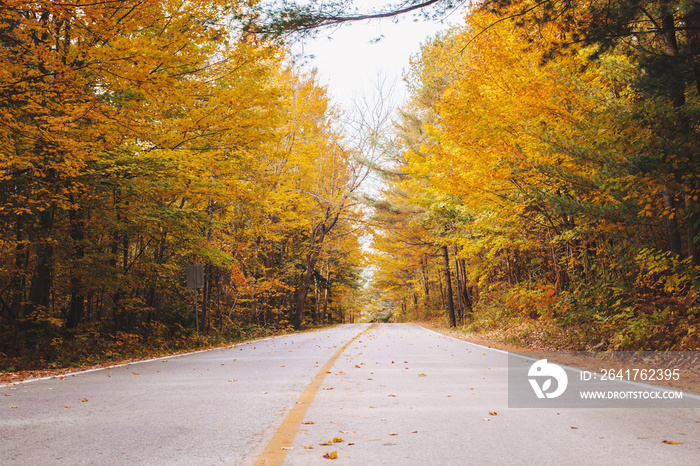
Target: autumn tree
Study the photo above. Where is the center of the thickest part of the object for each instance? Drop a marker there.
(142, 136)
(531, 168)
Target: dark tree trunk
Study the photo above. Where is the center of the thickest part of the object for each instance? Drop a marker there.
(304, 283)
(42, 279)
(463, 295)
(77, 298)
(17, 282)
(328, 317)
(426, 279)
(692, 21)
(316, 242)
(448, 286)
(675, 87)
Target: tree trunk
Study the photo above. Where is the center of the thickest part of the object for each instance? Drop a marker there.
(304, 283)
(464, 301)
(42, 279)
(325, 295)
(317, 303)
(18, 282)
(426, 280)
(692, 21)
(448, 286)
(675, 83)
(316, 242)
(77, 299)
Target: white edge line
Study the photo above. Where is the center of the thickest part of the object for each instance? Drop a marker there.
(113, 366)
(569, 368)
(470, 343)
(172, 356)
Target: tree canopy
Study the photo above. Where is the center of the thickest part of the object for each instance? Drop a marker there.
(142, 136)
(551, 196)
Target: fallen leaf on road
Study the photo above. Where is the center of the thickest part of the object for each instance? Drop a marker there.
(287, 448)
(310, 447)
(331, 456)
(421, 375)
(84, 400)
(66, 406)
(393, 395)
(393, 433)
(574, 427)
(309, 422)
(14, 407)
(372, 406)
(337, 440)
(351, 443)
(330, 442)
(671, 442)
(136, 373)
(493, 413)
(414, 431)
(486, 419)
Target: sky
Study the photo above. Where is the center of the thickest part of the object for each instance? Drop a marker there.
(349, 58)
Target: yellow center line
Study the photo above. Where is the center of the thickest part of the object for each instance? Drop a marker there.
(281, 442)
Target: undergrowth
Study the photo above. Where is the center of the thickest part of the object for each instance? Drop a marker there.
(600, 319)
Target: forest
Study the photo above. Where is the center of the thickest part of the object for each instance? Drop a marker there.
(539, 185)
(139, 137)
(544, 189)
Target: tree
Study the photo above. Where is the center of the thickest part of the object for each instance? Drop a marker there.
(139, 137)
(543, 176)
(307, 18)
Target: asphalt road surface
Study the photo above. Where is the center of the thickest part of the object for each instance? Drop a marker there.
(382, 394)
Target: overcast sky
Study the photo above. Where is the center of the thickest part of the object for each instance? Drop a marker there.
(350, 57)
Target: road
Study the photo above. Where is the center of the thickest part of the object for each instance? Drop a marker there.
(395, 394)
